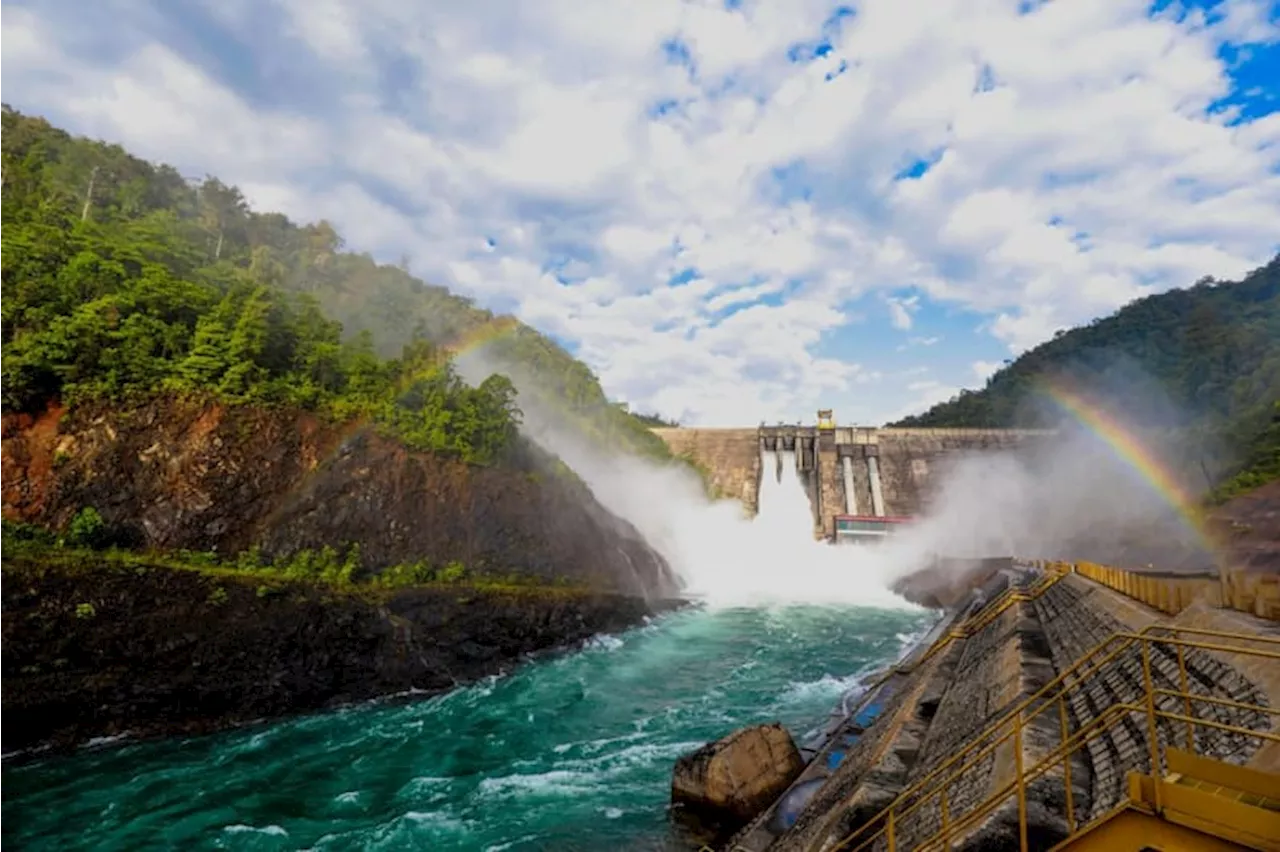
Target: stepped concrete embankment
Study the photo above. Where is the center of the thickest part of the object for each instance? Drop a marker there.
(1072, 654)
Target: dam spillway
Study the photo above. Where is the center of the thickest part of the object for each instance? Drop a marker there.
(846, 470)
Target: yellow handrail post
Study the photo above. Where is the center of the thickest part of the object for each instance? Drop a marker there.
(1021, 787)
(1185, 685)
(1153, 744)
(1066, 763)
(889, 831)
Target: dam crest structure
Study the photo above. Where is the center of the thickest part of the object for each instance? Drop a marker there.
(859, 479)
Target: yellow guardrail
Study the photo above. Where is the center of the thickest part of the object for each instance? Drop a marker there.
(1254, 593)
(1053, 572)
(1053, 696)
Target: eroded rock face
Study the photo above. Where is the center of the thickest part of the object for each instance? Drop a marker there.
(734, 778)
(205, 477)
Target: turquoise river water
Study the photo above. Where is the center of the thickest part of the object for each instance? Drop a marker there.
(567, 753)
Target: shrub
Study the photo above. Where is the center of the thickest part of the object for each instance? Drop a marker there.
(453, 572)
(87, 529)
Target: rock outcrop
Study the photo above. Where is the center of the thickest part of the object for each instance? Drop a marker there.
(173, 475)
(734, 778)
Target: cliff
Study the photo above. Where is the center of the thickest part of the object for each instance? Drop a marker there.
(96, 648)
(173, 475)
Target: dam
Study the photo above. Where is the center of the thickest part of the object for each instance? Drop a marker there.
(853, 475)
(1054, 705)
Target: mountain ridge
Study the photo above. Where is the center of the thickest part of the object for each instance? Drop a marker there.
(1202, 360)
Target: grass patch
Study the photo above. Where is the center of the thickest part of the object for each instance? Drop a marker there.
(326, 569)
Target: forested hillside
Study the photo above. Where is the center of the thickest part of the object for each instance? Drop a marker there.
(121, 279)
(1211, 351)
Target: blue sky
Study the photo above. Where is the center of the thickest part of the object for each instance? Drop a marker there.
(733, 211)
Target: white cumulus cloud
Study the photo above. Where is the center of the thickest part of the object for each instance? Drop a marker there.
(720, 188)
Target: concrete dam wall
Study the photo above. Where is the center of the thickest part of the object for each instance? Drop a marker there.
(731, 457)
(845, 470)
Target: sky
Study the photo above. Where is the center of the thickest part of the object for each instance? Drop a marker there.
(732, 210)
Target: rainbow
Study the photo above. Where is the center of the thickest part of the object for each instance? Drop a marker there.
(474, 338)
(1120, 439)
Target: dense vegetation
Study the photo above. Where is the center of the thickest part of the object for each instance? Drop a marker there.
(122, 279)
(1204, 360)
(657, 421)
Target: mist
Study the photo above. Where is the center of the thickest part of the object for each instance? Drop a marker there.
(721, 557)
(1067, 496)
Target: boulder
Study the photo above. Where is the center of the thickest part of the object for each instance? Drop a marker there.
(737, 777)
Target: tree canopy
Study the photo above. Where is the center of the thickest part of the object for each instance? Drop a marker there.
(122, 278)
(1204, 359)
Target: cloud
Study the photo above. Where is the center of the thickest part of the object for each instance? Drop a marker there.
(983, 370)
(707, 200)
(900, 311)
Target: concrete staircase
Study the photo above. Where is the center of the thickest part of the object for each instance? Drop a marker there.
(1035, 724)
(1073, 628)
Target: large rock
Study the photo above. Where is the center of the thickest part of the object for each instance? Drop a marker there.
(737, 777)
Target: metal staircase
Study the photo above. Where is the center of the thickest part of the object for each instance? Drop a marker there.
(1175, 800)
(1199, 804)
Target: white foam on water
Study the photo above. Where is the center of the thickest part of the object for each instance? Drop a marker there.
(273, 830)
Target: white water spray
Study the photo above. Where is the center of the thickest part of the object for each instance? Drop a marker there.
(720, 556)
(773, 558)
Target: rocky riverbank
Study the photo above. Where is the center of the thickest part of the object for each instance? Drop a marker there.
(94, 648)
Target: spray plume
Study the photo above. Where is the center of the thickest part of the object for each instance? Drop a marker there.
(1065, 498)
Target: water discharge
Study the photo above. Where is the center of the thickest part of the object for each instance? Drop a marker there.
(730, 560)
(570, 753)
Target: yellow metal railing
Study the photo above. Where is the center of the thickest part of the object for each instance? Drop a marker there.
(993, 609)
(1053, 572)
(1011, 727)
(1254, 593)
